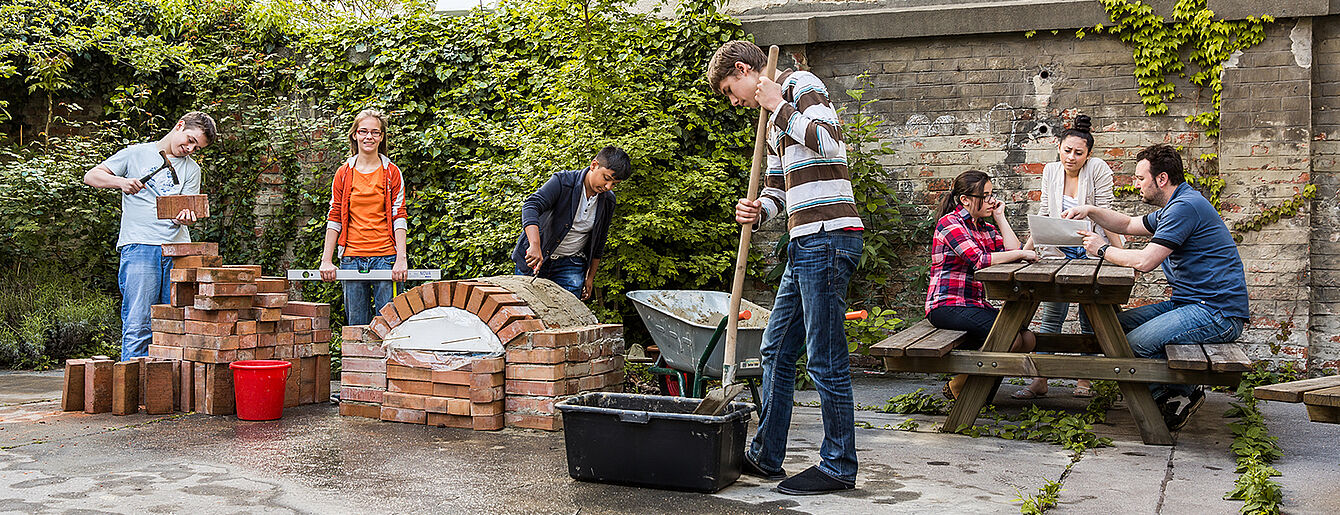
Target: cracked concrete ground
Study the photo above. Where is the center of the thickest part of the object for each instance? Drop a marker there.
(313, 460)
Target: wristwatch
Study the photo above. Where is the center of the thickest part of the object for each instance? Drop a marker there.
(1103, 250)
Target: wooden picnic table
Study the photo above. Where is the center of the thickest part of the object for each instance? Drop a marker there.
(1099, 290)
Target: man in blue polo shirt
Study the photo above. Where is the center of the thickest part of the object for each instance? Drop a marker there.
(1200, 260)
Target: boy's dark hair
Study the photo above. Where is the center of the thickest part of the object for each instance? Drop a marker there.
(202, 122)
(1163, 159)
(723, 61)
(970, 183)
(1082, 130)
(617, 161)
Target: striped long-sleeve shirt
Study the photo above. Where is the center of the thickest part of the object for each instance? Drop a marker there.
(807, 161)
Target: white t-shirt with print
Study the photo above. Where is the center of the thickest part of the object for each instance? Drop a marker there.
(139, 212)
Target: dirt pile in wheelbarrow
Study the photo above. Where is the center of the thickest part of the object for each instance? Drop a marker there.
(696, 315)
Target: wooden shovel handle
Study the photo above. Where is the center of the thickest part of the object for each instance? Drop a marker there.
(746, 231)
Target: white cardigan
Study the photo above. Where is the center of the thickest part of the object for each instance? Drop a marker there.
(1094, 188)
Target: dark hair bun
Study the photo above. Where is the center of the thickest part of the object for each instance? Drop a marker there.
(1083, 123)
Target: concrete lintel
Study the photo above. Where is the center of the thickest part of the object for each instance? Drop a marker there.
(790, 25)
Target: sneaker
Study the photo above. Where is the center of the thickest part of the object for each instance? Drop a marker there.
(1177, 409)
(751, 468)
(813, 482)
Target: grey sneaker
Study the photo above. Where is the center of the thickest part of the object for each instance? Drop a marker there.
(1177, 409)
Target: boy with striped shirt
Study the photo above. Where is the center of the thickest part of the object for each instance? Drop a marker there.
(807, 177)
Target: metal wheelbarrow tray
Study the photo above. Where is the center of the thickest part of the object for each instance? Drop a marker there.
(681, 322)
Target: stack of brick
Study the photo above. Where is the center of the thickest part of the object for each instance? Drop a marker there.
(541, 367)
(550, 365)
(223, 313)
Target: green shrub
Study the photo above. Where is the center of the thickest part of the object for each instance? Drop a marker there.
(47, 315)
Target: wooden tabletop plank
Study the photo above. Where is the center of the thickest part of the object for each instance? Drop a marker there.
(1227, 357)
(1115, 275)
(1293, 391)
(894, 345)
(1323, 397)
(1078, 271)
(1041, 271)
(936, 345)
(1187, 357)
(1001, 272)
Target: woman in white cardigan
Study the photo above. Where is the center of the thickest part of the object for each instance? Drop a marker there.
(1075, 179)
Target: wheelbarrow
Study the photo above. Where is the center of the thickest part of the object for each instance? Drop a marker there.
(681, 323)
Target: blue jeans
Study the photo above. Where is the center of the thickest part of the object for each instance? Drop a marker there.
(808, 315)
(143, 278)
(1053, 317)
(568, 271)
(359, 296)
(1151, 328)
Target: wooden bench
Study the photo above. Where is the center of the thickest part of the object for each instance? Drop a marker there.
(1321, 395)
(925, 348)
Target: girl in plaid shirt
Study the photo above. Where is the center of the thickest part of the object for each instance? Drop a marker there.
(963, 244)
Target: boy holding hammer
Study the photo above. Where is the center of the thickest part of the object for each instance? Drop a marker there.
(138, 171)
(807, 180)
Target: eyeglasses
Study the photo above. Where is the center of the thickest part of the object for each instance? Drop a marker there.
(991, 195)
(369, 132)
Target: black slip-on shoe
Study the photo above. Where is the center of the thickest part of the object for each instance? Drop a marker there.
(1178, 409)
(813, 481)
(750, 468)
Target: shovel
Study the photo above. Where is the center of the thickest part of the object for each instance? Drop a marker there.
(715, 402)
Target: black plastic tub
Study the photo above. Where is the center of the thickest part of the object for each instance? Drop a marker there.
(653, 441)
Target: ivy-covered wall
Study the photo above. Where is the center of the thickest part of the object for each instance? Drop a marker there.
(993, 100)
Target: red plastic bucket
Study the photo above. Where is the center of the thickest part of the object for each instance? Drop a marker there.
(258, 388)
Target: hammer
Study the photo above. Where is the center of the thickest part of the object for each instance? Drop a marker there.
(166, 164)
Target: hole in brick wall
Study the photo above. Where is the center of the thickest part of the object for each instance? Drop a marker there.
(1044, 74)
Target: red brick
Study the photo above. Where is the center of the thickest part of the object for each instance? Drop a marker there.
(404, 400)
(307, 309)
(451, 377)
(72, 389)
(408, 416)
(479, 293)
(536, 372)
(488, 423)
(450, 390)
(488, 365)
(221, 289)
(271, 285)
(545, 388)
(209, 355)
(493, 302)
(217, 303)
(457, 406)
(169, 206)
(302, 338)
(219, 274)
(164, 352)
(322, 378)
(380, 327)
(246, 354)
(185, 386)
(428, 294)
(354, 364)
(614, 379)
(445, 420)
(408, 386)
(390, 317)
(360, 409)
(296, 323)
(486, 380)
(485, 409)
(509, 314)
(270, 300)
(265, 314)
(98, 386)
(357, 333)
(167, 326)
(606, 365)
(354, 393)
(321, 336)
(590, 383)
(364, 379)
(143, 377)
(307, 382)
(293, 384)
(158, 387)
(167, 312)
(284, 352)
(283, 338)
(461, 292)
(285, 324)
(414, 298)
(444, 293)
(197, 261)
(518, 329)
(181, 294)
(210, 328)
(254, 269)
(527, 404)
(487, 394)
(530, 421)
(436, 404)
(199, 248)
(167, 339)
(394, 371)
(319, 348)
(181, 275)
(402, 307)
(578, 369)
(218, 316)
(265, 352)
(554, 338)
(200, 341)
(537, 356)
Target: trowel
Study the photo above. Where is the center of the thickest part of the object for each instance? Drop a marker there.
(715, 402)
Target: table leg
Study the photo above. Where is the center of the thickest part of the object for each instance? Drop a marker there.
(977, 391)
(1103, 318)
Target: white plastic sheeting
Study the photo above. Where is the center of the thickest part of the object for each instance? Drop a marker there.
(443, 329)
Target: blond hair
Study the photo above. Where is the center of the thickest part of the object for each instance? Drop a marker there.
(363, 115)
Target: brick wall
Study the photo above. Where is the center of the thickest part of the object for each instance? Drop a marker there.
(994, 102)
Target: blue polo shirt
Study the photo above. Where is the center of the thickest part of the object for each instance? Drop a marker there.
(1204, 266)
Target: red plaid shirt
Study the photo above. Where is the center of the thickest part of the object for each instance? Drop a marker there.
(962, 245)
